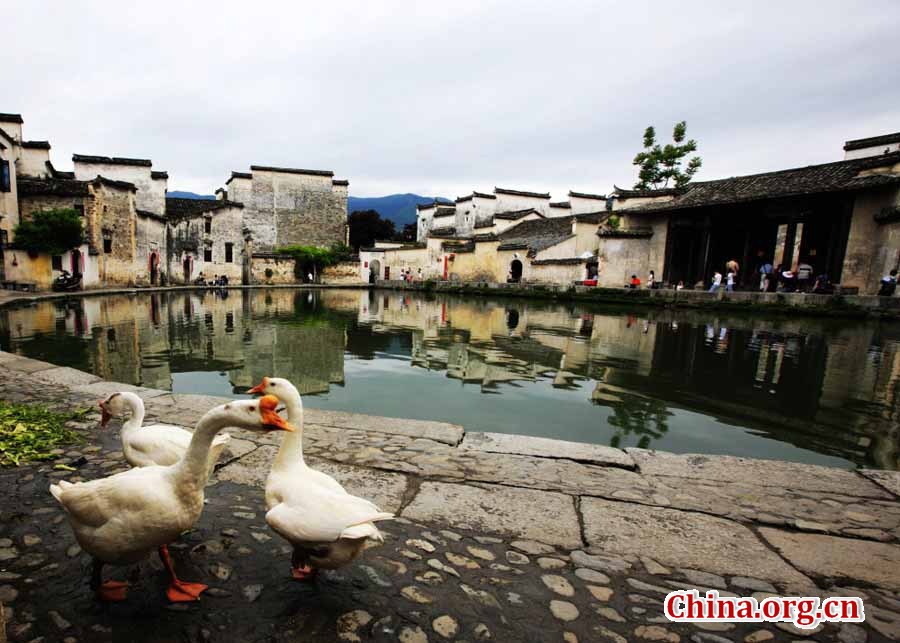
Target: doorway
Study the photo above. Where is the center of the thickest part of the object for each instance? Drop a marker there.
(154, 268)
(76, 262)
(515, 271)
(186, 265)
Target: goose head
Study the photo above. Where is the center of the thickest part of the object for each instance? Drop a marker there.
(114, 405)
(277, 386)
(253, 415)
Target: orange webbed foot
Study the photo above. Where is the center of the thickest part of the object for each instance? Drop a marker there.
(112, 591)
(180, 591)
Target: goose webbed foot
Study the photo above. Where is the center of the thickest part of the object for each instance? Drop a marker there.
(179, 591)
(112, 591)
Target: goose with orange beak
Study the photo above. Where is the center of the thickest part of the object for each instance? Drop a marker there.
(119, 520)
(326, 526)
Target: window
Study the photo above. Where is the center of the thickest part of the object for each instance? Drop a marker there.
(229, 252)
(5, 178)
(107, 240)
(207, 225)
(207, 254)
(79, 208)
(56, 262)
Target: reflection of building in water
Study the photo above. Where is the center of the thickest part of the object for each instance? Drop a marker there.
(828, 388)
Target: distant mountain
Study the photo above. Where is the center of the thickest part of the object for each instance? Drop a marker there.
(399, 208)
(176, 194)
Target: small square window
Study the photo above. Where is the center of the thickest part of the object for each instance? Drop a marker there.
(5, 177)
(107, 241)
(207, 254)
(229, 252)
(56, 262)
(207, 225)
(79, 208)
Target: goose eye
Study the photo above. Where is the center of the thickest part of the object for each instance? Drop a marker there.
(274, 383)
(227, 407)
(252, 408)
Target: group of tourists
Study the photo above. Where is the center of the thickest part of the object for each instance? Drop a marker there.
(407, 275)
(778, 278)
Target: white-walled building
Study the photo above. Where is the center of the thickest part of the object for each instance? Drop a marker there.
(872, 146)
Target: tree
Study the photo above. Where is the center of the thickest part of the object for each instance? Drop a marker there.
(408, 233)
(313, 258)
(662, 164)
(51, 231)
(366, 226)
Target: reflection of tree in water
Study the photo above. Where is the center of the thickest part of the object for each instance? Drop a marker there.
(639, 416)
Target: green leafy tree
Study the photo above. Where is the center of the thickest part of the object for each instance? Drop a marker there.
(662, 164)
(51, 231)
(366, 226)
(313, 258)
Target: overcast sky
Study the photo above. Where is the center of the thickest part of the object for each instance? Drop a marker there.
(441, 98)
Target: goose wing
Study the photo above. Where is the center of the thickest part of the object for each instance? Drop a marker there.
(96, 502)
(323, 517)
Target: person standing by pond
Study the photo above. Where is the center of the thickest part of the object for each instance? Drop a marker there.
(888, 284)
(804, 276)
(729, 281)
(716, 282)
(733, 266)
(765, 274)
(635, 282)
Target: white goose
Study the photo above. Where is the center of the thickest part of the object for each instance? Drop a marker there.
(311, 510)
(156, 444)
(118, 520)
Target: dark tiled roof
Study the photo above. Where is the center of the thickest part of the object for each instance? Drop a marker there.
(11, 118)
(565, 261)
(54, 186)
(634, 194)
(458, 246)
(159, 175)
(515, 215)
(343, 182)
(539, 234)
(238, 175)
(186, 208)
(444, 212)
(538, 195)
(449, 231)
(840, 176)
(562, 204)
(489, 236)
(112, 183)
(36, 145)
(585, 195)
(408, 246)
(485, 223)
(110, 160)
(150, 215)
(638, 232)
(426, 206)
(7, 136)
(57, 174)
(291, 170)
(872, 141)
(481, 195)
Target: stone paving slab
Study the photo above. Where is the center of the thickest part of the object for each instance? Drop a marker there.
(65, 376)
(524, 513)
(770, 473)
(546, 448)
(890, 480)
(27, 365)
(430, 430)
(684, 539)
(839, 558)
(384, 488)
(103, 388)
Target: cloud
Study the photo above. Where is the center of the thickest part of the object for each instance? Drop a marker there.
(443, 98)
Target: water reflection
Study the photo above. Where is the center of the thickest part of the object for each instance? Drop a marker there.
(807, 390)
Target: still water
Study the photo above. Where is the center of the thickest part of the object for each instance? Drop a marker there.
(822, 392)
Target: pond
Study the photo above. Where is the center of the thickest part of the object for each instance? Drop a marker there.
(805, 390)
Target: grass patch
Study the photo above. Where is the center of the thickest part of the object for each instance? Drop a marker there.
(30, 433)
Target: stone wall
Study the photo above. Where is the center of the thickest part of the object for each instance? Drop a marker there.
(281, 270)
(287, 208)
(151, 194)
(343, 273)
(188, 239)
(33, 162)
(150, 241)
(112, 213)
(619, 258)
(872, 249)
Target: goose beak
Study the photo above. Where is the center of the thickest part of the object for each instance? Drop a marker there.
(260, 388)
(270, 418)
(105, 416)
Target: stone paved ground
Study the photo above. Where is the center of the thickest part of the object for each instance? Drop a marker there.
(500, 538)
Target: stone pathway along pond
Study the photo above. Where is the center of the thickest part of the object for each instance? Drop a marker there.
(500, 538)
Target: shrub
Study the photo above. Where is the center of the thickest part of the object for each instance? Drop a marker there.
(51, 231)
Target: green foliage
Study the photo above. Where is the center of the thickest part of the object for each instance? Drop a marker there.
(269, 273)
(51, 231)
(31, 432)
(308, 256)
(614, 221)
(367, 226)
(661, 164)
